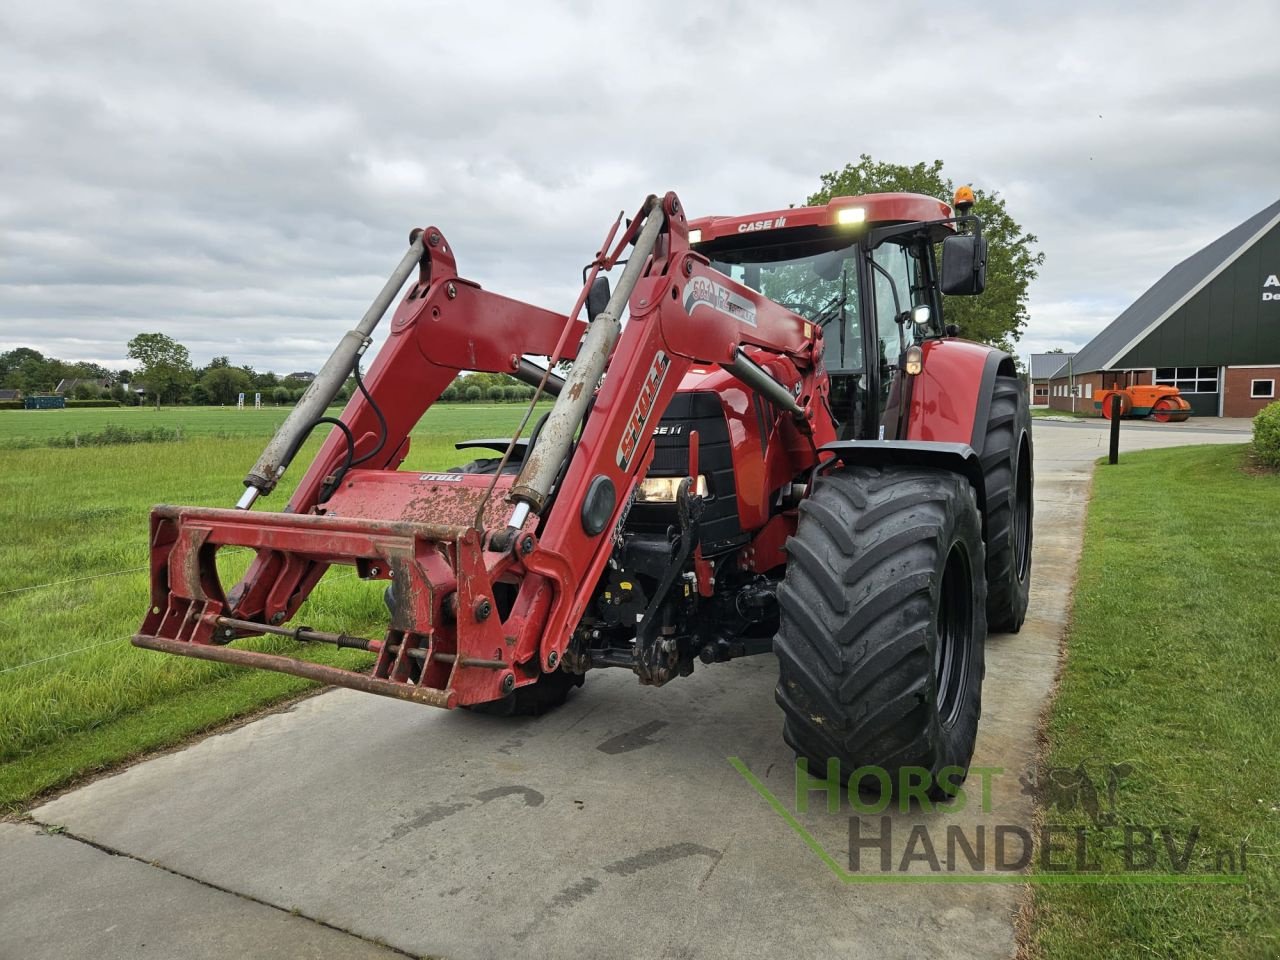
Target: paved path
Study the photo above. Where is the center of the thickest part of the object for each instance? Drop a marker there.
(613, 827)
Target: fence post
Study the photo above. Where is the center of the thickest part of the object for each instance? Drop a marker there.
(1114, 400)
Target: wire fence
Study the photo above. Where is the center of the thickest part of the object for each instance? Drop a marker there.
(93, 576)
(101, 643)
(56, 583)
(64, 653)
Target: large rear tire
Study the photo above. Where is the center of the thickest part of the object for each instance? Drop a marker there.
(883, 623)
(1008, 475)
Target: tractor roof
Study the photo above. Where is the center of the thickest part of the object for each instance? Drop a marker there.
(873, 208)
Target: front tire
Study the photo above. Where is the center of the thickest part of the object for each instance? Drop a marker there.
(549, 691)
(883, 623)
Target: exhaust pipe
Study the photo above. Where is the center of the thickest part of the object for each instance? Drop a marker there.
(279, 452)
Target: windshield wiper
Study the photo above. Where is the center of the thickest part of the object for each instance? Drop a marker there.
(834, 306)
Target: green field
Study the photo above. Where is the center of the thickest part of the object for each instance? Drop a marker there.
(1171, 670)
(28, 428)
(75, 696)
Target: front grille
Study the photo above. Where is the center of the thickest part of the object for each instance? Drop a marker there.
(701, 411)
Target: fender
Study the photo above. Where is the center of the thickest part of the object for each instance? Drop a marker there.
(958, 458)
(951, 396)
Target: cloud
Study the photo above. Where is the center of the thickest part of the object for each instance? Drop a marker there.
(242, 176)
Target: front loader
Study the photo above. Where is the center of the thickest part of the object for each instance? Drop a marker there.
(766, 439)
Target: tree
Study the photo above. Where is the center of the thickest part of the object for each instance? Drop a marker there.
(29, 370)
(998, 315)
(280, 395)
(88, 371)
(165, 364)
(224, 384)
(472, 394)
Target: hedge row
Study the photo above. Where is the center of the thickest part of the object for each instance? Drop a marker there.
(21, 405)
(1266, 435)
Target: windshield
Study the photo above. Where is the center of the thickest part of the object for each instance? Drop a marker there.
(822, 287)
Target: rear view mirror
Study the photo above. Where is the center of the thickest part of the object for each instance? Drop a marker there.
(964, 264)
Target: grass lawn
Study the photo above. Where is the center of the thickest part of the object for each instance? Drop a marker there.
(1172, 668)
(1050, 412)
(68, 514)
(31, 428)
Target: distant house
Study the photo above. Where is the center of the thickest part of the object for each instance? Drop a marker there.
(302, 376)
(67, 387)
(10, 394)
(1044, 367)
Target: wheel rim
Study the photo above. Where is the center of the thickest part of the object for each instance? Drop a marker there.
(1022, 516)
(954, 624)
(1160, 412)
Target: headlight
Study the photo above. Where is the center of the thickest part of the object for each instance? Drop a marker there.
(664, 489)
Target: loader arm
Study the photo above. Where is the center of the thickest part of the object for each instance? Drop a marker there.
(447, 542)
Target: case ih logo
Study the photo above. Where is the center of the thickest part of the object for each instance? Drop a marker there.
(705, 292)
(762, 225)
(643, 409)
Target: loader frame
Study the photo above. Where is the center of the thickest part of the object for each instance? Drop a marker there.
(445, 541)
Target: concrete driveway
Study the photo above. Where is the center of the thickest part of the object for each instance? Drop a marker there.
(353, 826)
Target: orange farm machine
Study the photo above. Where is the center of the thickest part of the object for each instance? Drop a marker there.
(1159, 403)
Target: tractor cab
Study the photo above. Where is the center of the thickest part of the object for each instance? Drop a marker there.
(866, 271)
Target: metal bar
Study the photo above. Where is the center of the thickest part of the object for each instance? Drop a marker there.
(543, 462)
(757, 377)
(470, 661)
(301, 634)
(438, 532)
(280, 451)
(529, 372)
(298, 668)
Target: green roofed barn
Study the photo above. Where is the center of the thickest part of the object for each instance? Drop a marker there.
(1210, 327)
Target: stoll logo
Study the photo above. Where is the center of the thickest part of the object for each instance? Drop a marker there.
(912, 825)
(1271, 287)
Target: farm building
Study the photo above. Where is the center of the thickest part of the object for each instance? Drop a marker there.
(1210, 327)
(67, 386)
(1044, 367)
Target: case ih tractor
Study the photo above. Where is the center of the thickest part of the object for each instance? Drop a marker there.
(783, 448)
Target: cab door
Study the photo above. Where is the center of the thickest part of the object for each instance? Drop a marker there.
(896, 288)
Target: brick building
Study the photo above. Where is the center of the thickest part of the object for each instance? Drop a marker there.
(1210, 327)
(1044, 367)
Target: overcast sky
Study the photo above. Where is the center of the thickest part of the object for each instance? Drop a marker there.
(242, 176)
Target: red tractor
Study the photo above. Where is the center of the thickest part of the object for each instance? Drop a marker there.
(783, 448)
